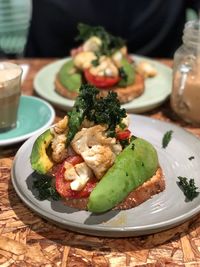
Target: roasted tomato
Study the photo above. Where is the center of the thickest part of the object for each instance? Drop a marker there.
(63, 186)
(100, 81)
(122, 135)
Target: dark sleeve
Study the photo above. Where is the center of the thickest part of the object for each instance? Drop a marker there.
(52, 30)
(194, 4)
(151, 28)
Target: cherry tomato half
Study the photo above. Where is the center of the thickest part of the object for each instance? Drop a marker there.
(63, 186)
(75, 159)
(122, 135)
(100, 81)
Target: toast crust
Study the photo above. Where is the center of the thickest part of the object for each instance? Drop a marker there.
(153, 186)
(144, 192)
(125, 94)
(128, 93)
(62, 90)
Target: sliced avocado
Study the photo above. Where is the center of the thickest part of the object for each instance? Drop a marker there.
(136, 164)
(127, 73)
(39, 158)
(69, 77)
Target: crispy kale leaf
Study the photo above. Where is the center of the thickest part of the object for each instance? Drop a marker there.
(99, 110)
(107, 110)
(188, 187)
(45, 188)
(110, 43)
(86, 99)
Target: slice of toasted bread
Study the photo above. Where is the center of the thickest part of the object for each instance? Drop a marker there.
(62, 90)
(144, 192)
(153, 186)
(125, 94)
(130, 92)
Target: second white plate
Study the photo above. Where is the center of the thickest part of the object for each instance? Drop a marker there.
(157, 89)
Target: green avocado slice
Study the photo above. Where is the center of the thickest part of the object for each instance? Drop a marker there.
(40, 161)
(69, 77)
(127, 73)
(133, 166)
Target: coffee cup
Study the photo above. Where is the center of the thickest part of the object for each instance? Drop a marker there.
(10, 91)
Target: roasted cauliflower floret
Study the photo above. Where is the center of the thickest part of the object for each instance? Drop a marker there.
(61, 126)
(123, 50)
(59, 150)
(78, 174)
(86, 123)
(97, 150)
(99, 158)
(92, 44)
(83, 59)
(96, 135)
(58, 145)
(146, 69)
(117, 58)
(105, 67)
(124, 122)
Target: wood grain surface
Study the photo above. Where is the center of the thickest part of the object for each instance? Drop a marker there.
(28, 240)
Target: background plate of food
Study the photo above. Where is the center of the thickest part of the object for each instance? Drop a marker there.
(178, 154)
(157, 89)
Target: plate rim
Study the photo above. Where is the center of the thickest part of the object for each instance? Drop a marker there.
(14, 140)
(101, 230)
(140, 107)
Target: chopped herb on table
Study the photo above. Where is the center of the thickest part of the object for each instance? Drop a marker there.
(166, 138)
(188, 187)
(191, 158)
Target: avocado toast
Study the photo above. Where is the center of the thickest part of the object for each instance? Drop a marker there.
(101, 60)
(93, 160)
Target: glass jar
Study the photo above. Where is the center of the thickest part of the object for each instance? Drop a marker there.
(185, 97)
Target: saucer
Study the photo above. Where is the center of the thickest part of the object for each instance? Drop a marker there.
(34, 115)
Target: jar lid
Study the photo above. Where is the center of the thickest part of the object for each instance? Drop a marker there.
(191, 33)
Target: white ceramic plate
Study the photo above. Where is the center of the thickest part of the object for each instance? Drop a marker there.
(163, 211)
(34, 115)
(157, 89)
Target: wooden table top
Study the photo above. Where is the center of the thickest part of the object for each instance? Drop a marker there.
(28, 240)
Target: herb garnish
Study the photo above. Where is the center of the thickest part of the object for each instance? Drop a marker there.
(133, 146)
(122, 125)
(190, 158)
(97, 109)
(45, 188)
(123, 74)
(166, 138)
(108, 111)
(95, 62)
(124, 142)
(188, 188)
(110, 43)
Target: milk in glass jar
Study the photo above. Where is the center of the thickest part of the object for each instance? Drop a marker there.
(185, 97)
